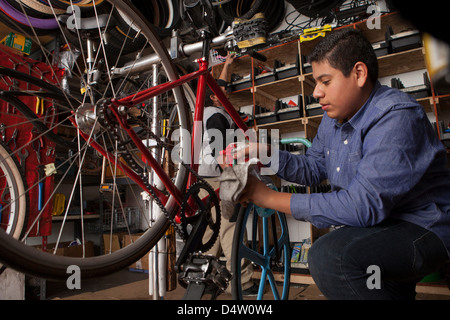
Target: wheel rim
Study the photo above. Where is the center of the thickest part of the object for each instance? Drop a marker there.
(262, 257)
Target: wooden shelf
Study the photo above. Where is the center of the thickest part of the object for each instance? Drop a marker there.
(303, 84)
(401, 62)
(241, 98)
(286, 126)
(280, 88)
(443, 101)
(394, 20)
(72, 217)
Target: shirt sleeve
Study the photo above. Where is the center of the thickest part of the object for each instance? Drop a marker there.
(218, 122)
(396, 153)
(308, 169)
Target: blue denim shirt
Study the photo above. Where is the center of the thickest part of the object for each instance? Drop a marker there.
(386, 161)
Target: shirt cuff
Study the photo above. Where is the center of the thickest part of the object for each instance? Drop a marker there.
(300, 206)
(221, 82)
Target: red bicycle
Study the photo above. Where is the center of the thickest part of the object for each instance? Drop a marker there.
(112, 105)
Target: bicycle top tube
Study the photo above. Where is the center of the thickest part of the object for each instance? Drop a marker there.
(157, 90)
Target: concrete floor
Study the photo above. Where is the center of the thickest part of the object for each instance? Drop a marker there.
(128, 285)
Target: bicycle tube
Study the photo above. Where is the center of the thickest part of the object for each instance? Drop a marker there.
(36, 9)
(46, 24)
(39, 83)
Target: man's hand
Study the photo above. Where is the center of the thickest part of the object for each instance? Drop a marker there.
(252, 150)
(262, 196)
(229, 59)
(255, 191)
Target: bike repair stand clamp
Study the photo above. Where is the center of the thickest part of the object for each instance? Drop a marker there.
(204, 274)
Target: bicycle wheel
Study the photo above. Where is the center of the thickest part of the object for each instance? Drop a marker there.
(13, 199)
(265, 253)
(92, 70)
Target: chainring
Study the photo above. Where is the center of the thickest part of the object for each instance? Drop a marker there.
(206, 211)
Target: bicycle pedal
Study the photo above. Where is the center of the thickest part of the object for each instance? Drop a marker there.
(206, 269)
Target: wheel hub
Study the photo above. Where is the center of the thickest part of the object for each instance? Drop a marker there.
(86, 118)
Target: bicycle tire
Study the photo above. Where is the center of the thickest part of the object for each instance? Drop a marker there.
(82, 4)
(36, 9)
(20, 17)
(228, 14)
(12, 171)
(15, 254)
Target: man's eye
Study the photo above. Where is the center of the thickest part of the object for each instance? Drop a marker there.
(326, 82)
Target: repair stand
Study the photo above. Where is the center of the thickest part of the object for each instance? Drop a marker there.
(203, 274)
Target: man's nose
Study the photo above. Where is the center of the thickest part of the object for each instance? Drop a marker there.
(318, 93)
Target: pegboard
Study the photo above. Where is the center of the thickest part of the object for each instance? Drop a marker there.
(18, 132)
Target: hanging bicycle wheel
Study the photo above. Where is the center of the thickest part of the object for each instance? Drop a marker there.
(13, 199)
(267, 248)
(57, 98)
(245, 9)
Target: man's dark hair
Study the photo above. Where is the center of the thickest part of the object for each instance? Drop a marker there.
(208, 94)
(343, 48)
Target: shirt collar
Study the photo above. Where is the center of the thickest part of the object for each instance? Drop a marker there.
(358, 115)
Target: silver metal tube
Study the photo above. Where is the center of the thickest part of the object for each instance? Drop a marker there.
(145, 63)
(189, 49)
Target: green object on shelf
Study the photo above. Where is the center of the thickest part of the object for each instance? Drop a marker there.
(432, 277)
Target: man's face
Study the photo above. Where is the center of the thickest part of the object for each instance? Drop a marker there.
(339, 96)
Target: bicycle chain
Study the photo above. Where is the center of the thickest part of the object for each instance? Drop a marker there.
(182, 226)
(112, 126)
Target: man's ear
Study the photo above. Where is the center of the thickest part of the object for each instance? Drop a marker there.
(361, 73)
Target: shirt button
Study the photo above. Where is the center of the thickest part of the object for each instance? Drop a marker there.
(345, 141)
(328, 153)
(338, 169)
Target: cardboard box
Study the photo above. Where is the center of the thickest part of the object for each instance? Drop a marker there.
(142, 263)
(114, 240)
(69, 250)
(18, 42)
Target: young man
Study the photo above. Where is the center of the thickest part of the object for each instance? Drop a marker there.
(386, 166)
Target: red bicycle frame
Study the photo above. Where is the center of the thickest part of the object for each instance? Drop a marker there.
(204, 79)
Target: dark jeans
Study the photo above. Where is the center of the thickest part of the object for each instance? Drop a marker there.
(350, 262)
